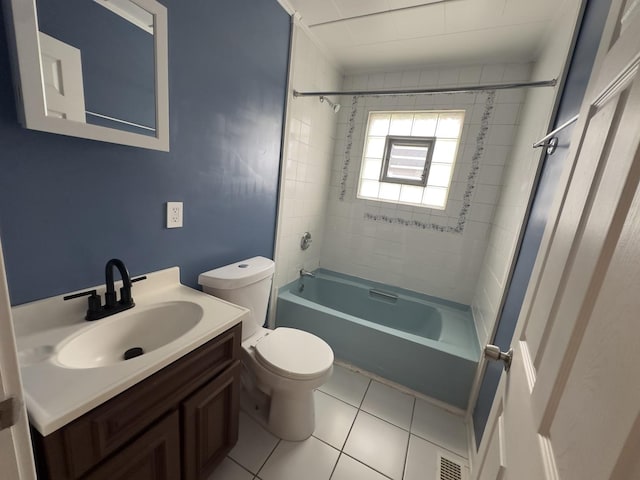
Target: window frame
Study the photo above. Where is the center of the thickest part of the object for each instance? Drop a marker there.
(392, 140)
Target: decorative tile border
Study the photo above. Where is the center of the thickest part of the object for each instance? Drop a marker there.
(347, 147)
(409, 223)
(471, 178)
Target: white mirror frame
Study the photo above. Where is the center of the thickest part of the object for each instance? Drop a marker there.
(22, 31)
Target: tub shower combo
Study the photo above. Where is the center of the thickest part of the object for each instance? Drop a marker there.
(425, 343)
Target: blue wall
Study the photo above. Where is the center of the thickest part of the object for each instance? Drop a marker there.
(67, 205)
(117, 60)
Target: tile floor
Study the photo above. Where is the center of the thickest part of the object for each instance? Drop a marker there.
(365, 430)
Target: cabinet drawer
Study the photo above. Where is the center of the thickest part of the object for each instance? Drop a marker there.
(76, 448)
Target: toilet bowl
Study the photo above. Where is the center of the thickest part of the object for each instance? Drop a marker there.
(281, 367)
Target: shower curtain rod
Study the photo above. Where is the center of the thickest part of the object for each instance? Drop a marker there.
(428, 91)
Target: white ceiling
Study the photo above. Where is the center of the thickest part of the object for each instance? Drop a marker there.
(366, 35)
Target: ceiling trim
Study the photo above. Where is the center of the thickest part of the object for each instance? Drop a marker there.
(380, 12)
(287, 6)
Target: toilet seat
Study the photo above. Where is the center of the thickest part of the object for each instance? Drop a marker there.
(294, 354)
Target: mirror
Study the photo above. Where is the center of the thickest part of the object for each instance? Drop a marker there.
(94, 69)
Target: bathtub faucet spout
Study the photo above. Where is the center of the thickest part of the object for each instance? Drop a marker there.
(305, 273)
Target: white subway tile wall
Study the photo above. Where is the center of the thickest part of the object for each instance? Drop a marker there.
(445, 265)
(307, 166)
(521, 163)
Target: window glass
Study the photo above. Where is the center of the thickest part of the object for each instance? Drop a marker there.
(434, 196)
(409, 157)
(424, 125)
(401, 124)
(379, 125)
(411, 193)
(389, 191)
(439, 175)
(375, 147)
(371, 170)
(369, 188)
(449, 126)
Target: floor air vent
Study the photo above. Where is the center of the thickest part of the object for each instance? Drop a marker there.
(448, 469)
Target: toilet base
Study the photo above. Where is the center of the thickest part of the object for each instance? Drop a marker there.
(292, 415)
(287, 415)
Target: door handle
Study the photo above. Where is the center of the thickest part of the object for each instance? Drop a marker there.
(493, 352)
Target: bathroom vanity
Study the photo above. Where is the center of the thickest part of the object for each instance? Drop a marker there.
(183, 418)
(167, 414)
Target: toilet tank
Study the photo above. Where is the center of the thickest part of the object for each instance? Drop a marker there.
(246, 283)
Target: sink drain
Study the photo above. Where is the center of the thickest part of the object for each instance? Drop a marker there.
(133, 352)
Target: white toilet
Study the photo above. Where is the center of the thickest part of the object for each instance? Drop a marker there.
(282, 367)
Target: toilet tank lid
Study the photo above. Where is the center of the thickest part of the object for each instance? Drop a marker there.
(239, 274)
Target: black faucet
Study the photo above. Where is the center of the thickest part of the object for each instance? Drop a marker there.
(110, 300)
(111, 305)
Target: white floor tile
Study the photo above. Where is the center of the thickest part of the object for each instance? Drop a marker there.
(308, 460)
(389, 404)
(333, 419)
(375, 438)
(254, 445)
(350, 469)
(378, 444)
(346, 385)
(440, 427)
(422, 459)
(230, 470)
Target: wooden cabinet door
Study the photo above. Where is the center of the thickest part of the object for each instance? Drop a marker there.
(210, 424)
(155, 455)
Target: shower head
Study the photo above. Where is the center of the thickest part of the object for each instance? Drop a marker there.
(334, 106)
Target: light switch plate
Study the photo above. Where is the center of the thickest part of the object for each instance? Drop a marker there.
(174, 214)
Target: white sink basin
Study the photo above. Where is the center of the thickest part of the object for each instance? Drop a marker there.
(151, 328)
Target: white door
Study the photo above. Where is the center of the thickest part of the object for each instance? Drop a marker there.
(62, 78)
(16, 459)
(569, 408)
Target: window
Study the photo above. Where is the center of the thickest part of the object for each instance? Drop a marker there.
(409, 157)
(407, 160)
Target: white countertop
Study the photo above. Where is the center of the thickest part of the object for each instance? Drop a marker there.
(55, 395)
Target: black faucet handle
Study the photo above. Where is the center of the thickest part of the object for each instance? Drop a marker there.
(110, 299)
(95, 302)
(81, 294)
(125, 296)
(125, 292)
(95, 305)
